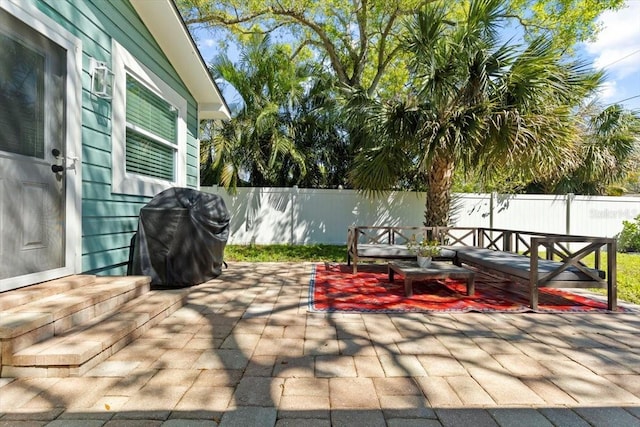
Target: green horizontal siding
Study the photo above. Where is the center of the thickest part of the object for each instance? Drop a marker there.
(193, 152)
(100, 226)
(193, 149)
(93, 261)
(110, 270)
(98, 121)
(108, 242)
(96, 173)
(96, 157)
(192, 182)
(84, 20)
(110, 209)
(191, 170)
(102, 191)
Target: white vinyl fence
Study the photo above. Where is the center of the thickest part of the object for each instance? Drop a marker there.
(303, 216)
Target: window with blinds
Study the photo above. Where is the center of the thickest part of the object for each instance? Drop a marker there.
(22, 75)
(151, 133)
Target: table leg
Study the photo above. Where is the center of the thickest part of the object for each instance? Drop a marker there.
(390, 274)
(471, 285)
(408, 288)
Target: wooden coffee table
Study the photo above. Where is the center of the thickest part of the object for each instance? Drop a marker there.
(437, 270)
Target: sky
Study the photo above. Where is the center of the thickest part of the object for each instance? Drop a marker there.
(616, 50)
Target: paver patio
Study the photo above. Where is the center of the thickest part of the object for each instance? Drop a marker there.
(244, 351)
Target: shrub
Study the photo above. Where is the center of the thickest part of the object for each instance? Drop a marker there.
(615, 190)
(629, 237)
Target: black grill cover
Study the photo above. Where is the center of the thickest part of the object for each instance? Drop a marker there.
(181, 238)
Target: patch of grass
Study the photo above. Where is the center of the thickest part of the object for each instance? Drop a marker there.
(629, 277)
(628, 263)
(284, 253)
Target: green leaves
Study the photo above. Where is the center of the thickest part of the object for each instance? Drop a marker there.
(570, 21)
(629, 237)
(284, 132)
(255, 143)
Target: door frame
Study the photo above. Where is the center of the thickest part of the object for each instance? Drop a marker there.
(38, 21)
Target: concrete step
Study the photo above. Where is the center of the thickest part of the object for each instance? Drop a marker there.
(41, 318)
(28, 294)
(40, 312)
(83, 347)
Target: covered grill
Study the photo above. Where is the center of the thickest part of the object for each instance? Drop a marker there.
(181, 238)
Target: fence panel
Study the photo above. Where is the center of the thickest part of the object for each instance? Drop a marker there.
(601, 216)
(322, 216)
(258, 215)
(530, 212)
(471, 210)
(303, 216)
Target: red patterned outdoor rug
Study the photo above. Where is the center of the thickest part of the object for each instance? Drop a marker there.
(334, 288)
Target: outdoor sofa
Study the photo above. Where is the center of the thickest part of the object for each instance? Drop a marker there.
(532, 259)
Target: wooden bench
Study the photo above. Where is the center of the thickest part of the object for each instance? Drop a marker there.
(511, 254)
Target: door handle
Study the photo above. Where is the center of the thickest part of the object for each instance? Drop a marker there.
(61, 159)
(57, 168)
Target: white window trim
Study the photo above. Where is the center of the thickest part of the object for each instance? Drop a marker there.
(124, 182)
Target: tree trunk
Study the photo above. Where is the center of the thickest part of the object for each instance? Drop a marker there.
(439, 182)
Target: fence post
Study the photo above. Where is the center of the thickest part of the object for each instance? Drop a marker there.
(294, 199)
(492, 206)
(570, 197)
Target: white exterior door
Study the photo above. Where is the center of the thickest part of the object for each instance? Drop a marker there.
(36, 175)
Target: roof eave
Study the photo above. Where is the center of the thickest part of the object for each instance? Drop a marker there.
(163, 20)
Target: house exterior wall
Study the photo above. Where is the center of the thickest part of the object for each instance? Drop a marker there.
(108, 219)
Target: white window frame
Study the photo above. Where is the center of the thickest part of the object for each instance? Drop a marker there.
(124, 182)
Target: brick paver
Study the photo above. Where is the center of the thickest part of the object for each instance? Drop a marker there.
(245, 351)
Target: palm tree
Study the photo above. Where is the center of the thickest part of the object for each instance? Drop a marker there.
(252, 146)
(471, 102)
(610, 137)
(287, 129)
(320, 135)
